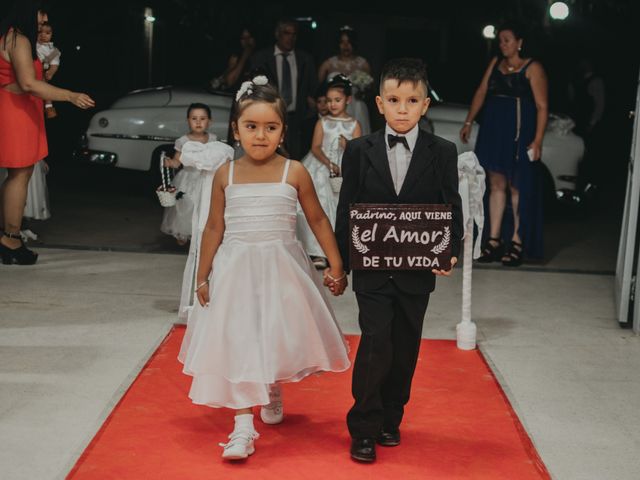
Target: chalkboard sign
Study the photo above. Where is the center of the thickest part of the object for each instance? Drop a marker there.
(400, 237)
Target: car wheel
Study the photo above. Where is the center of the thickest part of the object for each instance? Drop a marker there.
(153, 175)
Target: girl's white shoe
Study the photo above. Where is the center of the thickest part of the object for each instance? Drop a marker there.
(240, 445)
(241, 440)
(273, 413)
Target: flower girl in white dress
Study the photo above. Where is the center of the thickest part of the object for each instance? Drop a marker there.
(176, 220)
(324, 160)
(262, 315)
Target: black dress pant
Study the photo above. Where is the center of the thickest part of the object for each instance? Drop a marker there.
(391, 324)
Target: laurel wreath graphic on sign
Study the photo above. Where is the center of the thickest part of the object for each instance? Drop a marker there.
(355, 236)
(438, 249)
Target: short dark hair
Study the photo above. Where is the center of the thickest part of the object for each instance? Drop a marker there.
(341, 82)
(284, 22)
(46, 24)
(199, 106)
(321, 90)
(403, 70)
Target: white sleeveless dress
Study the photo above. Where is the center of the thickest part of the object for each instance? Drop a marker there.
(269, 319)
(332, 128)
(357, 108)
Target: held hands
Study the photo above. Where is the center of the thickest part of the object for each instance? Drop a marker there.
(82, 100)
(336, 281)
(465, 131)
(334, 169)
(446, 273)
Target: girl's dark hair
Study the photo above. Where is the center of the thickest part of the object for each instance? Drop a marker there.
(342, 82)
(403, 70)
(351, 34)
(266, 94)
(199, 106)
(23, 18)
(47, 24)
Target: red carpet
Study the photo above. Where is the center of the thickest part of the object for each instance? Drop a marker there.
(458, 425)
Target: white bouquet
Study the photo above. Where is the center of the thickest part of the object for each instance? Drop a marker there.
(361, 81)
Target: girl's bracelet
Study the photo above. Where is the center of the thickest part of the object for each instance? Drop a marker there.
(344, 275)
(206, 282)
(467, 123)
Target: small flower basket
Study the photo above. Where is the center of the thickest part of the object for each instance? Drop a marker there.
(336, 183)
(166, 192)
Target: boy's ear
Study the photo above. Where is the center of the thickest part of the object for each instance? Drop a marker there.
(380, 104)
(425, 107)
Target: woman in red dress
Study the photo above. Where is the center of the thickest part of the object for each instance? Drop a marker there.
(23, 140)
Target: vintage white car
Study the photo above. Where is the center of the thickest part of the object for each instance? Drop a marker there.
(139, 125)
(133, 131)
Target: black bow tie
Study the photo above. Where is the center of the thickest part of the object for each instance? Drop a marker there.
(394, 139)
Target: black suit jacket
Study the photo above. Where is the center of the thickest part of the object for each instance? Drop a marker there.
(265, 61)
(432, 177)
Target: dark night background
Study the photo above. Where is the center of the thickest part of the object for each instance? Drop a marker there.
(193, 39)
(104, 55)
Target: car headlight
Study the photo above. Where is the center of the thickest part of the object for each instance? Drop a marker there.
(103, 122)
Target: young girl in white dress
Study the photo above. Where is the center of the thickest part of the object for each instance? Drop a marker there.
(176, 220)
(324, 160)
(262, 315)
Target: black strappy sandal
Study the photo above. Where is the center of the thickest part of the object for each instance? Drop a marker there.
(513, 256)
(491, 252)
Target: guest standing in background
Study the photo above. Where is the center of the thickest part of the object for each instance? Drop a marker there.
(23, 140)
(293, 72)
(513, 98)
(348, 62)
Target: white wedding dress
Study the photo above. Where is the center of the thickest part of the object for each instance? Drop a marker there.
(332, 128)
(357, 108)
(269, 319)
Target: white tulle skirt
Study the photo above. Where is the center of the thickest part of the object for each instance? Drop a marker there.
(358, 110)
(268, 321)
(176, 220)
(328, 200)
(37, 206)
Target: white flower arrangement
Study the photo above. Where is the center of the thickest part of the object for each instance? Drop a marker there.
(247, 87)
(361, 82)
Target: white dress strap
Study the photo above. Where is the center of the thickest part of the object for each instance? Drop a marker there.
(230, 180)
(286, 171)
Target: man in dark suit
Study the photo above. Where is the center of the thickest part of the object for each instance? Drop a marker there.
(294, 73)
(402, 164)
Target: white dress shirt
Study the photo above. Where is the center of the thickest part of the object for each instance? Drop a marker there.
(399, 157)
(294, 74)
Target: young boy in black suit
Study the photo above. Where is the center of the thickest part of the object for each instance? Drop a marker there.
(407, 165)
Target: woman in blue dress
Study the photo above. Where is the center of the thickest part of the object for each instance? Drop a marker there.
(513, 98)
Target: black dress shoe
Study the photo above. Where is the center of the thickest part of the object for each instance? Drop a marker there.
(363, 449)
(389, 439)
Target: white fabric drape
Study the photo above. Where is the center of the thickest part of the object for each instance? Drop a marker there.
(206, 157)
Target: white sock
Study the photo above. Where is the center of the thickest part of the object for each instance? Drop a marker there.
(244, 422)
